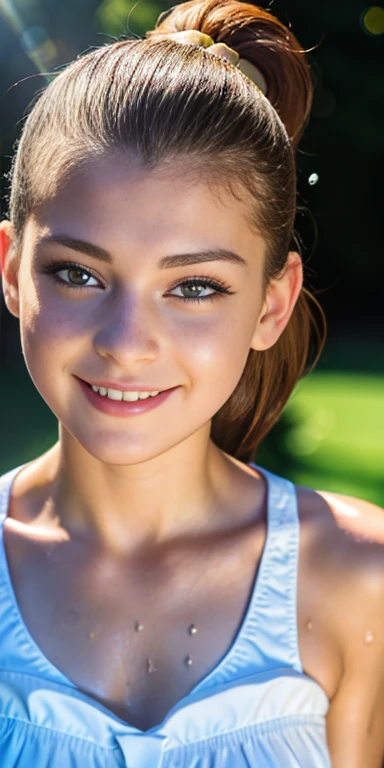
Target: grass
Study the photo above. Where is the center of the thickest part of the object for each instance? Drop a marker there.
(336, 433)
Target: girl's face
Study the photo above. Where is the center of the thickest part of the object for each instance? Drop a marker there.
(127, 312)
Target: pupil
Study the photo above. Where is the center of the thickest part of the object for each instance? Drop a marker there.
(79, 272)
(193, 287)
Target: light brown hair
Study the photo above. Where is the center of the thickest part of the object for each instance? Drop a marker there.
(159, 100)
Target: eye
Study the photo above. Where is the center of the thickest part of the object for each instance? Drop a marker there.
(79, 278)
(195, 285)
(78, 273)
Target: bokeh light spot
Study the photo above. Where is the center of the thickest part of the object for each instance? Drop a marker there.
(33, 38)
(39, 47)
(372, 20)
(306, 436)
(313, 179)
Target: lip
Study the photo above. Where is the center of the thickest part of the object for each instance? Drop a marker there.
(122, 408)
(108, 384)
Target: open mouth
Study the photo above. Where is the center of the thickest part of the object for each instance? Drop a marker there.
(120, 396)
(122, 403)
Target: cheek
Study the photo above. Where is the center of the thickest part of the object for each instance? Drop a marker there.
(47, 335)
(46, 318)
(215, 351)
(43, 332)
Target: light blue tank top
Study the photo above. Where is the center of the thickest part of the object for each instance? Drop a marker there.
(255, 709)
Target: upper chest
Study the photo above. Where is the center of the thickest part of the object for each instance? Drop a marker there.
(121, 630)
(137, 633)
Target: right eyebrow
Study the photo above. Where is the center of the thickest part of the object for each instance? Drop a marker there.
(166, 262)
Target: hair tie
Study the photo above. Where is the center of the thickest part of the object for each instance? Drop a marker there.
(195, 37)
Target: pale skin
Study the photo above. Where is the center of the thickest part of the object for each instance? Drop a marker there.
(144, 518)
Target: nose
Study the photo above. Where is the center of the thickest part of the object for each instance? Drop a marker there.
(128, 331)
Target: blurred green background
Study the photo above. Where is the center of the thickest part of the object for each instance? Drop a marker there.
(331, 433)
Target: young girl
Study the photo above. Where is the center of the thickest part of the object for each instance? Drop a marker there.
(164, 600)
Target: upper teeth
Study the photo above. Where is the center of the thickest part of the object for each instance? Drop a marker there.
(116, 394)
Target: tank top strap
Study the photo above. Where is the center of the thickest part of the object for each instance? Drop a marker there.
(6, 481)
(273, 612)
(267, 639)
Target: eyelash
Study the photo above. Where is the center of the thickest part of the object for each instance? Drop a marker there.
(219, 286)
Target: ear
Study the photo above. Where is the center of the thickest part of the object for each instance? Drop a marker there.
(9, 267)
(280, 299)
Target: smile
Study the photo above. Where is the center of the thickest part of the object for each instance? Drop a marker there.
(114, 402)
(116, 394)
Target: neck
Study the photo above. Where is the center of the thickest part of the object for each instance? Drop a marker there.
(123, 507)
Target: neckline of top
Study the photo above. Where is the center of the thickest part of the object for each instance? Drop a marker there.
(43, 666)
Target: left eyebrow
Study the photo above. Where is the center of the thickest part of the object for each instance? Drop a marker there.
(166, 262)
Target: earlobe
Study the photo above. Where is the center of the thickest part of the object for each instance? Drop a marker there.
(280, 300)
(9, 268)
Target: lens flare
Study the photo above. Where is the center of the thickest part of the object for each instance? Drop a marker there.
(34, 40)
(13, 17)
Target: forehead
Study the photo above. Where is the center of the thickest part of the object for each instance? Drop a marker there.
(115, 201)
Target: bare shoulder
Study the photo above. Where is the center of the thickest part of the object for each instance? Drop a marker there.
(342, 583)
(343, 538)
(342, 586)
(349, 532)
(361, 520)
